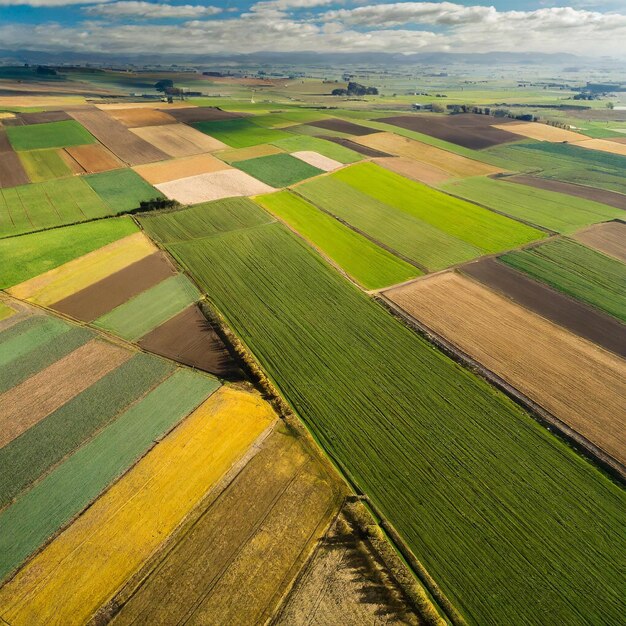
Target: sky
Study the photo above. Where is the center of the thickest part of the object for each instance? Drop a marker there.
(584, 27)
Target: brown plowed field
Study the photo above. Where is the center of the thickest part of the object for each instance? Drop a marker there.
(541, 132)
(415, 170)
(612, 198)
(141, 117)
(466, 129)
(555, 306)
(609, 237)
(5, 144)
(41, 394)
(156, 173)
(103, 296)
(189, 339)
(155, 104)
(117, 138)
(178, 140)
(94, 158)
(202, 114)
(232, 562)
(357, 147)
(11, 170)
(71, 162)
(25, 119)
(454, 164)
(342, 126)
(578, 382)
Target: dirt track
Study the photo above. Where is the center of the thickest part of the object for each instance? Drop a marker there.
(609, 237)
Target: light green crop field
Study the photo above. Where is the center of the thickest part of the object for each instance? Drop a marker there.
(49, 135)
(239, 133)
(149, 309)
(556, 211)
(371, 266)
(70, 487)
(5, 311)
(297, 143)
(578, 271)
(53, 203)
(278, 170)
(414, 239)
(26, 256)
(43, 165)
(473, 224)
(461, 472)
(122, 190)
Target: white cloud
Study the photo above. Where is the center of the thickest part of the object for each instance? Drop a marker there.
(47, 3)
(150, 10)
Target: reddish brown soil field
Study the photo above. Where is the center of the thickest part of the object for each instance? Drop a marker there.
(103, 296)
(467, 130)
(609, 237)
(94, 158)
(617, 139)
(421, 172)
(5, 144)
(117, 138)
(11, 170)
(357, 147)
(24, 119)
(612, 198)
(202, 114)
(582, 320)
(141, 117)
(341, 126)
(189, 339)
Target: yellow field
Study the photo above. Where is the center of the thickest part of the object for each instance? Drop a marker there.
(603, 145)
(541, 132)
(166, 171)
(5, 311)
(89, 562)
(454, 164)
(71, 277)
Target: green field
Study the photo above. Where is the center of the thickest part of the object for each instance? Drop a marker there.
(278, 170)
(556, 211)
(122, 190)
(372, 266)
(461, 472)
(41, 447)
(39, 513)
(240, 132)
(298, 143)
(5, 311)
(49, 135)
(578, 271)
(205, 220)
(43, 165)
(473, 224)
(26, 256)
(149, 309)
(53, 203)
(419, 242)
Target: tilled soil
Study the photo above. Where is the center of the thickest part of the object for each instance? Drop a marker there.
(25, 119)
(94, 158)
(141, 117)
(357, 147)
(342, 126)
(157, 173)
(202, 114)
(421, 172)
(178, 140)
(609, 237)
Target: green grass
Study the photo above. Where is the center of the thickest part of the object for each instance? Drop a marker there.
(298, 143)
(39, 206)
(51, 503)
(370, 265)
(49, 135)
(460, 471)
(559, 212)
(414, 239)
(278, 170)
(122, 190)
(149, 309)
(26, 256)
(473, 224)
(240, 132)
(30, 456)
(204, 220)
(43, 165)
(578, 271)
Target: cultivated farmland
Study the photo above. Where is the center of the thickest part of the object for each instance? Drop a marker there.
(317, 160)
(141, 117)
(239, 133)
(94, 158)
(43, 165)
(415, 170)
(541, 132)
(485, 468)
(11, 170)
(243, 154)
(278, 170)
(178, 140)
(122, 190)
(50, 135)
(156, 173)
(314, 144)
(609, 238)
(342, 126)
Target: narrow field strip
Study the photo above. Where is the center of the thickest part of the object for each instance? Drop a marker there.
(41, 394)
(372, 266)
(93, 558)
(239, 133)
(79, 273)
(31, 455)
(243, 154)
(53, 502)
(321, 146)
(317, 160)
(149, 309)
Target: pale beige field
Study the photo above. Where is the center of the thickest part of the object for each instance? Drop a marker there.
(576, 381)
(317, 160)
(178, 140)
(541, 132)
(166, 171)
(135, 116)
(213, 186)
(603, 145)
(144, 105)
(420, 172)
(608, 237)
(454, 164)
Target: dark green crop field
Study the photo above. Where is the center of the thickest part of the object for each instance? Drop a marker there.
(49, 135)
(278, 170)
(514, 525)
